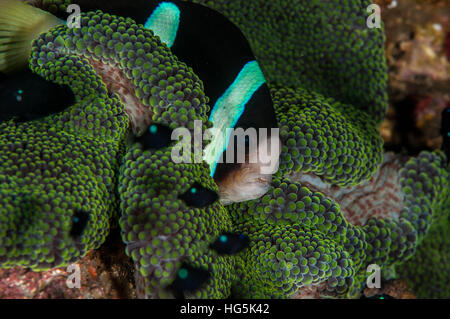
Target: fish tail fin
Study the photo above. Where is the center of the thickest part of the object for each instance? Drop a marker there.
(20, 24)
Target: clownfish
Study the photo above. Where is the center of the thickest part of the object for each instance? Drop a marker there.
(238, 94)
(218, 53)
(239, 97)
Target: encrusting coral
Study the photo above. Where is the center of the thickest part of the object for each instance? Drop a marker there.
(335, 206)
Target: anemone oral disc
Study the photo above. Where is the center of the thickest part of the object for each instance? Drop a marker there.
(164, 22)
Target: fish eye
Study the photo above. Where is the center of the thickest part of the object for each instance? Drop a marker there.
(79, 222)
(245, 141)
(230, 243)
(156, 136)
(199, 196)
(188, 278)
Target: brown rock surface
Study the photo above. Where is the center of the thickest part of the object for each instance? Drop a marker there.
(397, 289)
(418, 55)
(105, 273)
